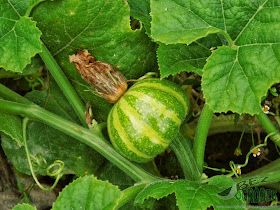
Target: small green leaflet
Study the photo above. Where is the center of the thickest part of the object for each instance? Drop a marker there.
(235, 76)
(189, 195)
(24, 207)
(87, 193)
(19, 36)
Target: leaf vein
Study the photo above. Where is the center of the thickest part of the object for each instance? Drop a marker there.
(14, 8)
(223, 12)
(243, 29)
(193, 13)
(72, 40)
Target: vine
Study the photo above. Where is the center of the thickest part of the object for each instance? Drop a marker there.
(54, 170)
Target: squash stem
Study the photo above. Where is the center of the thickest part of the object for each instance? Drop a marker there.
(201, 136)
(269, 127)
(185, 156)
(10, 95)
(86, 136)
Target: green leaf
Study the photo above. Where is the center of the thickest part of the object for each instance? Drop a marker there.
(24, 207)
(176, 58)
(141, 10)
(102, 27)
(184, 21)
(19, 36)
(50, 143)
(11, 126)
(235, 76)
(236, 79)
(87, 193)
(189, 195)
(221, 181)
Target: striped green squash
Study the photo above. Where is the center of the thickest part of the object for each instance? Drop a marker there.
(146, 118)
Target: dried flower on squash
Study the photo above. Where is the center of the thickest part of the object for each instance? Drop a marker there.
(107, 82)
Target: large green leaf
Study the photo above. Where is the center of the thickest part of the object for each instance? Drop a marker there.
(87, 193)
(236, 79)
(102, 27)
(50, 143)
(235, 76)
(189, 195)
(185, 21)
(19, 36)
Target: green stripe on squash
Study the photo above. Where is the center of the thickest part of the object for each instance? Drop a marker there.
(146, 118)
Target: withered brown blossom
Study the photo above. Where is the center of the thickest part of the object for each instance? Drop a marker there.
(107, 82)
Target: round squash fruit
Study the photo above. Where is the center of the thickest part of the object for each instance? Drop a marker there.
(146, 118)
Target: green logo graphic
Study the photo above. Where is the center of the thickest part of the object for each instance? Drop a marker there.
(242, 191)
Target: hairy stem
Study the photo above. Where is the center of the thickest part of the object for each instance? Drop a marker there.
(201, 136)
(185, 156)
(269, 127)
(93, 139)
(64, 84)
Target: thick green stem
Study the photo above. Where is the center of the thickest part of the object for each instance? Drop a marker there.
(269, 127)
(94, 140)
(201, 136)
(10, 95)
(64, 84)
(185, 157)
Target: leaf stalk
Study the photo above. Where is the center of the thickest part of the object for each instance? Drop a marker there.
(185, 156)
(201, 136)
(64, 84)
